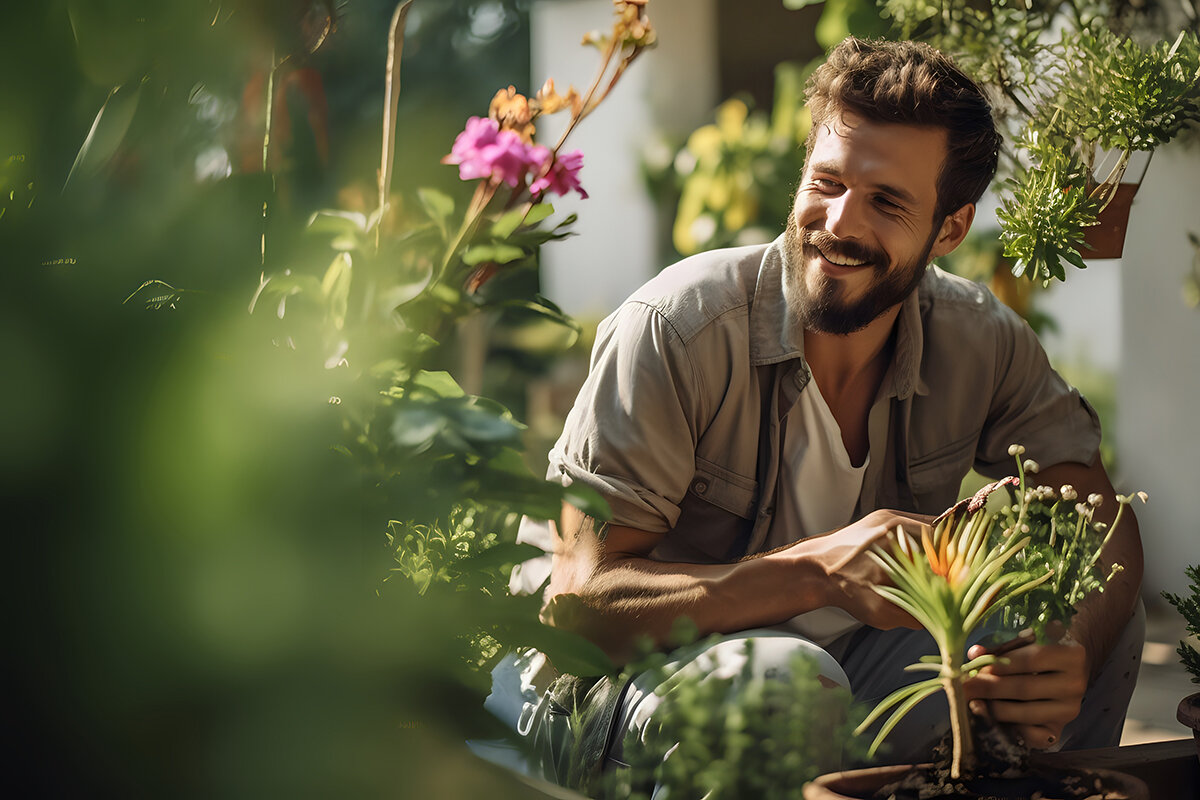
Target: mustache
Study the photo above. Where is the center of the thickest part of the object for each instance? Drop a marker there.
(829, 244)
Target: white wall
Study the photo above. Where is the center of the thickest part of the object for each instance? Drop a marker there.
(1158, 391)
(670, 88)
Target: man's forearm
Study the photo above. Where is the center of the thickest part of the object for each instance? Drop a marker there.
(630, 598)
(606, 587)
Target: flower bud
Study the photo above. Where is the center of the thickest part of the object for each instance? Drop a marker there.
(1031, 466)
(1068, 492)
(1095, 500)
(1016, 449)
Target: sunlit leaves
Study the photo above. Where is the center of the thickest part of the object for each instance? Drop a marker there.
(1044, 216)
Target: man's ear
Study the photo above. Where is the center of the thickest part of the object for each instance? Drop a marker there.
(953, 231)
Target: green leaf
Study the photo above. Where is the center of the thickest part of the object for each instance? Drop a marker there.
(440, 383)
(417, 427)
(438, 205)
(336, 288)
(497, 253)
(587, 500)
(107, 132)
(509, 222)
(477, 424)
(337, 222)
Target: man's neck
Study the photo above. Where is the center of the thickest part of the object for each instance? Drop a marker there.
(853, 362)
(848, 370)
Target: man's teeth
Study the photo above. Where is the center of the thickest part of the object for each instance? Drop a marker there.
(842, 261)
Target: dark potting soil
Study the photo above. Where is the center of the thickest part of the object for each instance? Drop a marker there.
(1002, 772)
(927, 784)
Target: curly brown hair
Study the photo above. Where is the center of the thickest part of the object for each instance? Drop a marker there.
(911, 83)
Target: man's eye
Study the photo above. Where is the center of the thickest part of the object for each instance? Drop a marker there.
(825, 183)
(886, 203)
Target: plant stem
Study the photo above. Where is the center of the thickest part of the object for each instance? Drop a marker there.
(963, 757)
(266, 152)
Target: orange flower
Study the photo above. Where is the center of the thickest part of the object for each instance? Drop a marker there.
(511, 110)
(945, 559)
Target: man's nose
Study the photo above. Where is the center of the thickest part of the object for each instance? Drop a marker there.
(844, 216)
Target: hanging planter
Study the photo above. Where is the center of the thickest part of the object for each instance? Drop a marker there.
(1106, 239)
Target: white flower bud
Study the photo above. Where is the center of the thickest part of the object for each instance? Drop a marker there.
(1015, 449)
(1068, 492)
(1145, 498)
(1095, 499)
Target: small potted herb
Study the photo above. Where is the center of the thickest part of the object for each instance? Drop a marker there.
(1189, 607)
(1032, 558)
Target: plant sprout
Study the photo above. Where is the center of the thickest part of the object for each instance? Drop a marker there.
(1035, 557)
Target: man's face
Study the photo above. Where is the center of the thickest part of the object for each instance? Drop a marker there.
(862, 231)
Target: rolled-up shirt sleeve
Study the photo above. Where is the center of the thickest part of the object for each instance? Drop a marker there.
(1032, 406)
(632, 433)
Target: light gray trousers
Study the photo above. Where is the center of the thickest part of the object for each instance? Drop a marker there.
(871, 664)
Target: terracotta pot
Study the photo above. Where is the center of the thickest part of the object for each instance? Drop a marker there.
(1189, 714)
(860, 784)
(1107, 237)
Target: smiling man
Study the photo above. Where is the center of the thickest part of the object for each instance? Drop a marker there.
(759, 418)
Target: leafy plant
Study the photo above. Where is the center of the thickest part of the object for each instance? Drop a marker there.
(1074, 81)
(733, 736)
(394, 320)
(1189, 607)
(1035, 557)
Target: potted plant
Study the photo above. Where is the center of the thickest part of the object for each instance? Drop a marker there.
(1189, 607)
(1030, 553)
(1081, 87)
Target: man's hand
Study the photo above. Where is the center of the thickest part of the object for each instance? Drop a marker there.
(1036, 688)
(852, 574)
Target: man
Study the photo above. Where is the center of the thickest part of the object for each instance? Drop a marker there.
(759, 418)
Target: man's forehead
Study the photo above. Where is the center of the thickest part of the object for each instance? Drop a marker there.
(910, 152)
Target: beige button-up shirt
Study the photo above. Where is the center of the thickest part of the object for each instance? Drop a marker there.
(682, 423)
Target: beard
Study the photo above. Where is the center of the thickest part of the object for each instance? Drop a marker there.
(824, 308)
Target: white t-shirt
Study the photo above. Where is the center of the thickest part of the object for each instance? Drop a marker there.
(830, 484)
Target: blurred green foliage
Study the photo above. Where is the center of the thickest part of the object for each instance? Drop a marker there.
(770, 737)
(199, 496)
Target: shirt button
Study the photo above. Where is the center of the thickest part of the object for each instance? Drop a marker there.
(700, 487)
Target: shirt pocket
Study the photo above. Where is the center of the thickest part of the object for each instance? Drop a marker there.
(723, 488)
(942, 469)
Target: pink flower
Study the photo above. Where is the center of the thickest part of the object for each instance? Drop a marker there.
(482, 150)
(563, 175)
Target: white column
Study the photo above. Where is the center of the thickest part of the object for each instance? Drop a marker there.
(1158, 385)
(671, 88)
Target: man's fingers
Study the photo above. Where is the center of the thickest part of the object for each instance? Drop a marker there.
(1044, 686)
(1040, 737)
(1040, 659)
(1049, 713)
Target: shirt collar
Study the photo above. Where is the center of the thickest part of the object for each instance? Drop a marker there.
(776, 335)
